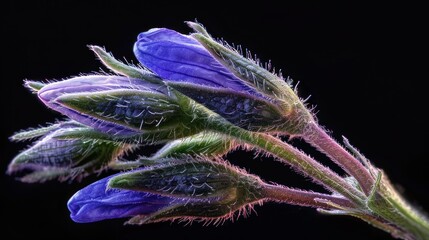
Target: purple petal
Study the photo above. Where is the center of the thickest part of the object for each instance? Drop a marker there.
(95, 203)
(91, 83)
(164, 34)
(177, 57)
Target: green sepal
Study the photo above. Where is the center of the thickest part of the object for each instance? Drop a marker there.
(135, 109)
(197, 27)
(123, 69)
(248, 70)
(210, 209)
(259, 78)
(243, 110)
(32, 133)
(207, 144)
(34, 86)
(211, 190)
(187, 179)
(201, 145)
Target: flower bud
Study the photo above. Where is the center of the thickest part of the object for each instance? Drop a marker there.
(188, 190)
(122, 107)
(252, 73)
(236, 88)
(54, 157)
(208, 189)
(96, 202)
(187, 179)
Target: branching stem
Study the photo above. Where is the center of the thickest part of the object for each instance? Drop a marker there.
(318, 138)
(293, 157)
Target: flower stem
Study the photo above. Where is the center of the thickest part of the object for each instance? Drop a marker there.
(379, 204)
(291, 156)
(303, 198)
(318, 138)
(386, 202)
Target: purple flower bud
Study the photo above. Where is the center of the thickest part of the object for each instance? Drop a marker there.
(97, 202)
(123, 107)
(188, 189)
(177, 57)
(237, 88)
(87, 85)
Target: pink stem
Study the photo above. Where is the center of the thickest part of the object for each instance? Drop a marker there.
(318, 138)
(303, 198)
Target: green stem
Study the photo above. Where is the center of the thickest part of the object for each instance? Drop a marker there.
(387, 203)
(416, 223)
(384, 225)
(292, 156)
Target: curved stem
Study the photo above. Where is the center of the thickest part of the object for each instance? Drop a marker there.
(318, 138)
(291, 156)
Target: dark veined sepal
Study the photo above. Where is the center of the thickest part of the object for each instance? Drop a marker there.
(241, 109)
(206, 189)
(138, 110)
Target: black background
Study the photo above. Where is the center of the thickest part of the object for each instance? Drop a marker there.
(365, 67)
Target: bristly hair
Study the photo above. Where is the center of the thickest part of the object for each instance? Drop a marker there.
(254, 59)
(233, 215)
